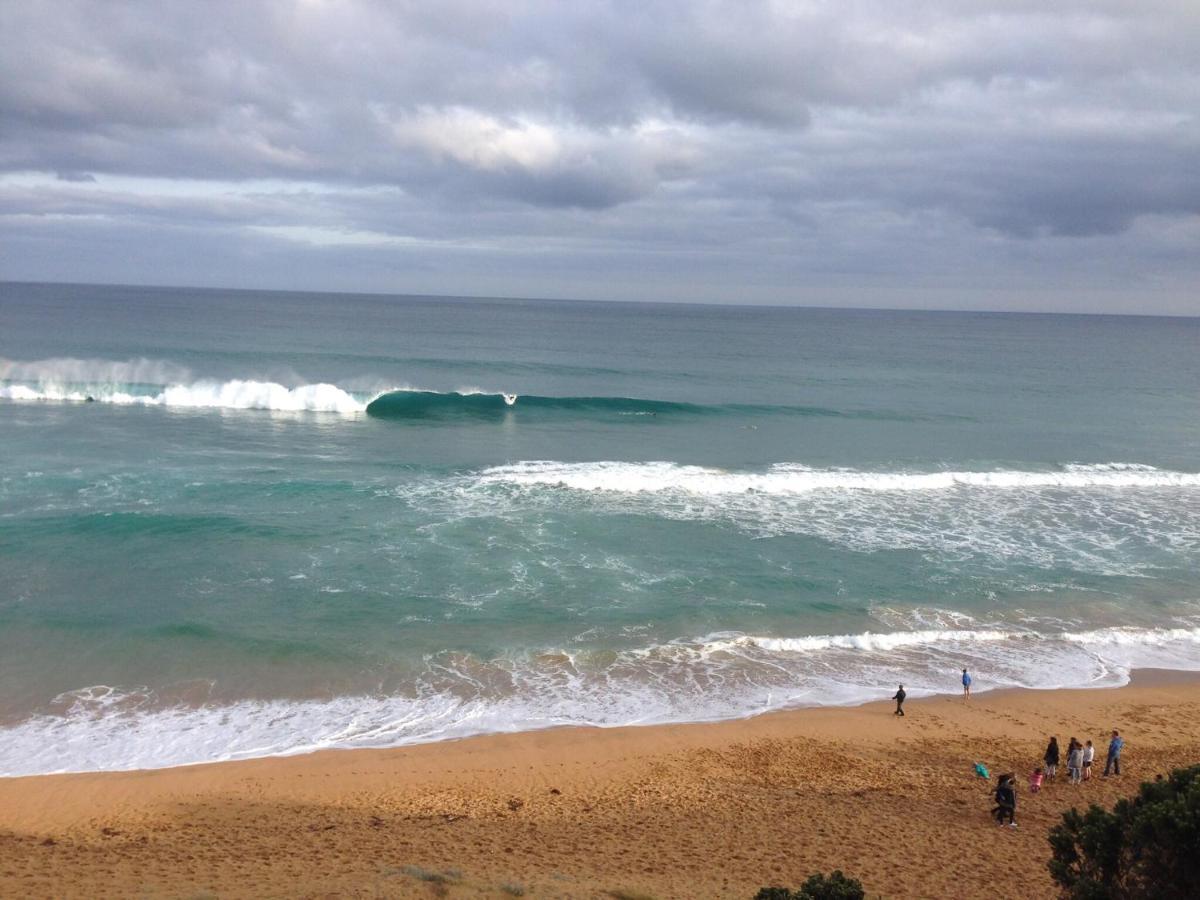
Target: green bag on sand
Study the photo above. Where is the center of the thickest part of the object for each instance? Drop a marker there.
(981, 771)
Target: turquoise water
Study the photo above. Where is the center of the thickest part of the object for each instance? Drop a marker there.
(291, 521)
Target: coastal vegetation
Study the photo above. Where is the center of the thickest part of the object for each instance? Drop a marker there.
(817, 887)
(1144, 847)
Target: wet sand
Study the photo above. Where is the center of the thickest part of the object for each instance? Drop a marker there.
(688, 811)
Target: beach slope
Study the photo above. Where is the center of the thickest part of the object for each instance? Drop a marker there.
(715, 810)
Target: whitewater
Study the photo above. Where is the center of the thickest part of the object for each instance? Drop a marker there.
(105, 728)
(84, 381)
(236, 524)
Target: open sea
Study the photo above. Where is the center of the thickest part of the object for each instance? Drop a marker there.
(238, 524)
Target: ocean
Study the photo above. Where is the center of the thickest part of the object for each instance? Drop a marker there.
(240, 523)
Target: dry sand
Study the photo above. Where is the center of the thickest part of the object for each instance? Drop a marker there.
(692, 811)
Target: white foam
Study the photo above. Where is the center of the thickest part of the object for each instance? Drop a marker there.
(143, 382)
(263, 395)
(877, 642)
(647, 477)
(20, 392)
(717, 677)
(1135, 637)
(158, 383)
(236, 394)
(1106, 519)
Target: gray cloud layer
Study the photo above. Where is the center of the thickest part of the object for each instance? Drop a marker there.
(939, 153)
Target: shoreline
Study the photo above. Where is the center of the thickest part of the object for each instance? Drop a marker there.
(687, 810)
(1140, 677)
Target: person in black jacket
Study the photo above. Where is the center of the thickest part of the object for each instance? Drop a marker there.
(1051, 759)
(899, 698)
(1006, 800)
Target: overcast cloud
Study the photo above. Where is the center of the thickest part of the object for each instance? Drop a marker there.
(956, 154)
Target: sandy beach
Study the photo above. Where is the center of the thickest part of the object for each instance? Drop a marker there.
(690, 811)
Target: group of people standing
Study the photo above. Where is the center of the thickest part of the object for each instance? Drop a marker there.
(1079, 760)
(1080, 757)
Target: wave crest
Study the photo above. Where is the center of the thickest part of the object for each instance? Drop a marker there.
(465, 404)
(159, 383)
(651, 477)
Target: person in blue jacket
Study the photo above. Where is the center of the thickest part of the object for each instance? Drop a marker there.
(1113, 762)
(966, 685)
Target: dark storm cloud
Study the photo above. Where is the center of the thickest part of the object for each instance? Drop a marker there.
(778, 139)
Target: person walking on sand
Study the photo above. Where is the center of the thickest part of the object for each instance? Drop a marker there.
(1113, 761)
(966, 685)
(1051, 759)
(899, 698)
(1089, 754)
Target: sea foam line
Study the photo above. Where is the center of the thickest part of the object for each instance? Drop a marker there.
(707, 679)
(126, 384)
(148, 382)
(236, 394)
(649, 477)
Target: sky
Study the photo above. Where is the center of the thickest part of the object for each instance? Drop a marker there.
(944, 154)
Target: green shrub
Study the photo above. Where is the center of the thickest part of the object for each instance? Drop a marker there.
(1146, 847)
(836, 887)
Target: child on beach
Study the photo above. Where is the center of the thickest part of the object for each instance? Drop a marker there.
(1089, 754)
(1035, 781)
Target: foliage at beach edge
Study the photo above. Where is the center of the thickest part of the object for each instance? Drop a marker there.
(1145, 847)
(817, 887)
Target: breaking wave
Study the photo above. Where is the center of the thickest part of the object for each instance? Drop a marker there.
(432, 404)
(717, 677)
(1109, 519)
(158, 383)
(414, 404)
(201, 395)
(155, 383)
(653, 477)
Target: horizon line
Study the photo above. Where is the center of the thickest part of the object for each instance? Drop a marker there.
(681, 303)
